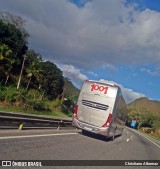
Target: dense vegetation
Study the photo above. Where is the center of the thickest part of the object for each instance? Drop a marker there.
(147, 113)
(27, 82)
(70, 91)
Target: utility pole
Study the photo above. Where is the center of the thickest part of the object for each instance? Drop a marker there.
(20, 76)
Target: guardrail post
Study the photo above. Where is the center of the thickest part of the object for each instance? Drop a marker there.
(59, 124)
(23, 120)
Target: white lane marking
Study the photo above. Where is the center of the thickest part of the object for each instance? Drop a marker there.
(146, 138)
(151, 141)
(30, 136)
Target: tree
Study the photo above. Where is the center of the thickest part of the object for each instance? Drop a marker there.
(17, 21)
(16, 42)
(33, 69)
(5, 61)
(4, 51)
(156, 122)
(13, 45)
(33, 72)
(53, 81)
(12, 37)
(147, 119)
(20, 76)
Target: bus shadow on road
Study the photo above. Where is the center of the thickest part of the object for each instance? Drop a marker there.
(97, 136)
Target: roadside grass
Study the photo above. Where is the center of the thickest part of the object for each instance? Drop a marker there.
(34, 112)
(29, 102)
(152, 135)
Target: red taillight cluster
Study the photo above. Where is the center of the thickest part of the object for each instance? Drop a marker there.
(108, 121)
(75, 112)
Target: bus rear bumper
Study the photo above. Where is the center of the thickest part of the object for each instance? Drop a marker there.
(90, 128)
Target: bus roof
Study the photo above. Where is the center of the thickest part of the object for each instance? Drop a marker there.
(103, 82)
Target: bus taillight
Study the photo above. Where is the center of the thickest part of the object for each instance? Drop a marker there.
(75, 112)
(108, 121)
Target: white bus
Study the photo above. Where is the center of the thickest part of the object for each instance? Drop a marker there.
(100, 109)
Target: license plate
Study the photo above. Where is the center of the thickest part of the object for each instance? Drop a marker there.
(88, 128)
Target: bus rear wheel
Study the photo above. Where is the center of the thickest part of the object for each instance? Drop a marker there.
(113, 137)
(84, 132)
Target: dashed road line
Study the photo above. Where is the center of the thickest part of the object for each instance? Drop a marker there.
(151, 141)
(32, 136)
(145, 137)
(127, 140)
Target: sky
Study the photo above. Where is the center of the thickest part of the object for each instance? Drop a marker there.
(114, 40)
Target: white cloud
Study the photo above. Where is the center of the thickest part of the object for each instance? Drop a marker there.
(101, 33)
(73, 73)
(155, 72)
(128, 94)
(77, 78)
(92, 73)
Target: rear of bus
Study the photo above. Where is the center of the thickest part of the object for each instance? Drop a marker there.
(95, 107)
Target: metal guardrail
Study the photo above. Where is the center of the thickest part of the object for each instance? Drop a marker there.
(16, 120)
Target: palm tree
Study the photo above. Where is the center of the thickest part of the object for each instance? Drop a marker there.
(33, 71)
(4, 52)
(7, 62)
(8, 73)
(20, 76)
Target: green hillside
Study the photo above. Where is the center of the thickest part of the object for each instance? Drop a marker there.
(145, 105)
(147, 113)
(70, 91)
(70, 96)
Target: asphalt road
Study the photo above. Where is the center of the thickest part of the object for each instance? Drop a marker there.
(73, 145)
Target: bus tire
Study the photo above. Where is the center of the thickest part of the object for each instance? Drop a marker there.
(84, 132)
(113, 137)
